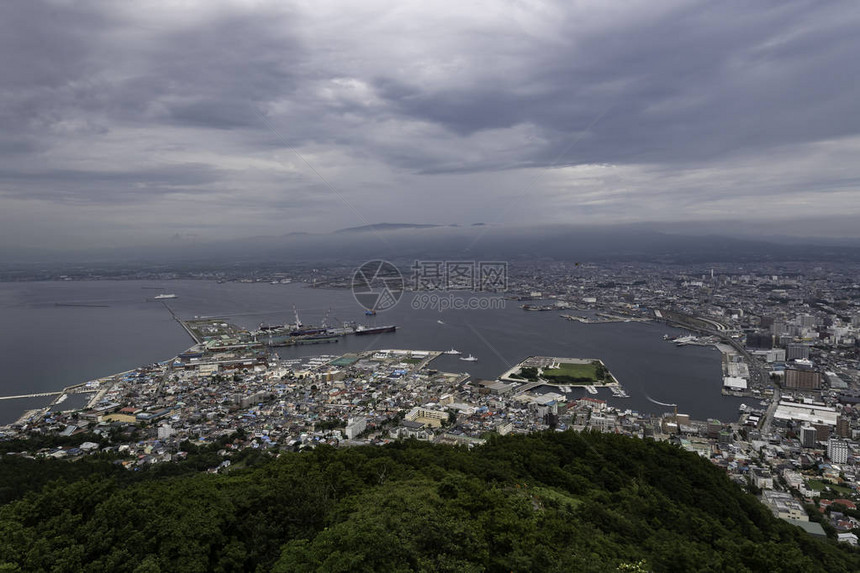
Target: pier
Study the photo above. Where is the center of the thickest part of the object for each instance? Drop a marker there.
(182, 322)
(36, 395)
(75, 389)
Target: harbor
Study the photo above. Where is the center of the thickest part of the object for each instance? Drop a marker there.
(211, 332)
(61, 397)
(132, 332)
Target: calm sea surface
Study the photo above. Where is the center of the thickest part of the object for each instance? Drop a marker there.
(47, 345)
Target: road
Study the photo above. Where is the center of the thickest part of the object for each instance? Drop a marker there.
(771, 410)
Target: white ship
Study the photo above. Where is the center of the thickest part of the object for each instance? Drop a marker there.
(453, 351)
(469, 358)
(164, 296)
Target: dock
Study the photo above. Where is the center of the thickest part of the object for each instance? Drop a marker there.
(618, 392)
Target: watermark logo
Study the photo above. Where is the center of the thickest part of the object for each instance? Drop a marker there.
(377, 286)
(430, 278)
(450, 301)
(475, 276)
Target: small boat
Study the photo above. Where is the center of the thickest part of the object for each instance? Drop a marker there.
(164, 296)
(453, 351)
(439, 322)
(469, 358)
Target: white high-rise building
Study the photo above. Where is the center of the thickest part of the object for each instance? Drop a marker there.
(837, 451)
(354, 427)
(165, 431)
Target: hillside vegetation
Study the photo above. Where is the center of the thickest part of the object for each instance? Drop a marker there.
(555, 501)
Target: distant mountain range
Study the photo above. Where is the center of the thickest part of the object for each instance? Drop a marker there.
(404, 241)
(385, 227)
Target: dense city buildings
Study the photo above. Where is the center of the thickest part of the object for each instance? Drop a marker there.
(788, 337)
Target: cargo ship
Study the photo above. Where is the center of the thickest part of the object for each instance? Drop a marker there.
(308, 331)
(299, 333)
(362, 330)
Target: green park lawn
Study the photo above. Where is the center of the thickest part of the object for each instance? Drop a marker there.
(569, 373)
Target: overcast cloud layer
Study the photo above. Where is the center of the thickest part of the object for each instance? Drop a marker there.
(133, 122)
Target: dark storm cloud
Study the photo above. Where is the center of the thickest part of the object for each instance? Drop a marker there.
(217, 74)
(43, 50)
(46, 44)
(623, 110)
(106, 187)
(704, 81)
(689, 83)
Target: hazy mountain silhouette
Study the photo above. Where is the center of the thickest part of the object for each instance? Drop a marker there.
(403, 241)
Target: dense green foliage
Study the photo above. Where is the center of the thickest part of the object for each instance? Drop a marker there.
(529, 373)
(556, 501)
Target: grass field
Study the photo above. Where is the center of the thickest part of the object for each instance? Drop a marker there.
(570, 373)
(818, 485)
(575, 370)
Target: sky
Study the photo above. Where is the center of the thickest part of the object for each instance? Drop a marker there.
(129, 123)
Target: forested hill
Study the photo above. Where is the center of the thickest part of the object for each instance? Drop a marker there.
(556, 501)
